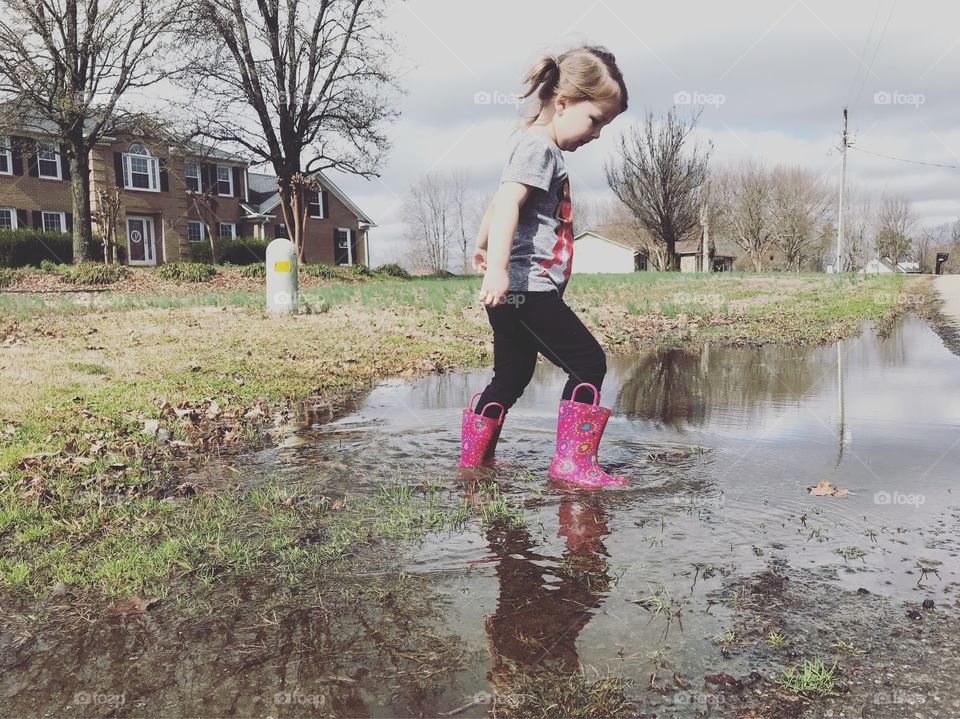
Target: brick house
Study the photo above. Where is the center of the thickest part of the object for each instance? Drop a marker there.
(336, 229)
(165, 201)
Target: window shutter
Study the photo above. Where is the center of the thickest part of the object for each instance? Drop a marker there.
(37, 220)
(206, 178)
(64, 163)
(323, 201)
(164, 175)
(118, 168)
(16, 155)
(237, 191)
(353, 247)
(22, 219)
(32, 167)
(69, 219)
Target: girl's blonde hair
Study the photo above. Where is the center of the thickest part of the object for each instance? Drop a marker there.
(589, 72)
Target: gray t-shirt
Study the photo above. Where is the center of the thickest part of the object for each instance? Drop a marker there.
(541, 256)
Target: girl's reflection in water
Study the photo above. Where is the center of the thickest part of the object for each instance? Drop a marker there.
(545, 602)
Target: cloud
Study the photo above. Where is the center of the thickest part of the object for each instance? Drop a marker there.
(784, 71)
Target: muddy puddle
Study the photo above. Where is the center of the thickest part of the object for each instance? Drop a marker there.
(688, 592)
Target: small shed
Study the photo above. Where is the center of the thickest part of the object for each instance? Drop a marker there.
(610, 248)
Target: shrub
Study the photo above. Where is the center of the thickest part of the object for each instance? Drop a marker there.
(20, 248)
(51, 266)
(93, 273)
(392, 269)
(259, 270)
(360, 270)
(241, 251)
(324, 272)
(186, 272)
(8, 277)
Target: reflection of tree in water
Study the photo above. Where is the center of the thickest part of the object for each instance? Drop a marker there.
(310, 656)
(545, 603)
(674, 388)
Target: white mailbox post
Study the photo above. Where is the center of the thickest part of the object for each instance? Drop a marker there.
(281, 277)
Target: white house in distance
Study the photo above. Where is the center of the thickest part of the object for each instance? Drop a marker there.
(884, 266)
(608, 248)
(621, 248)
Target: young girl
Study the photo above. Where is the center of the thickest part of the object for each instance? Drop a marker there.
(528, 263)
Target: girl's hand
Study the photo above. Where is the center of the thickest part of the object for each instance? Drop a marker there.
(480, 260)
(496, 282)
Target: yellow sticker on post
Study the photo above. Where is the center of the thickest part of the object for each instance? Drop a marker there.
(281, 266)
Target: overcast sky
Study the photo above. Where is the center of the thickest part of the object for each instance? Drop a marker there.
(773, 77)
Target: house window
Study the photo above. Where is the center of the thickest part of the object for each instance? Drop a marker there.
(194, 231)
(224, 181)
(316, 205)
(343, 251)
(280, 231)
(140, 170)
(6, 157)
(8, 218)
(228, 230)
(191, 171)
(54, 222)
(48, 163)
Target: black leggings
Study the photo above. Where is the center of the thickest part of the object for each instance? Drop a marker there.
(532, 322)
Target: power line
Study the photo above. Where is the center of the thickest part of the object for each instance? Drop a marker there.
(866, 44)
(901, 159)
(875, 51)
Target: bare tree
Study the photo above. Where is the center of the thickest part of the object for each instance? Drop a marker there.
(801, 203)
(744, 209)
(661, 177)
(107, 215)
(304, 86)
(430, 216)
(925, 245)
(64, 67)
(895, 226)
(463, 216)
(857, 221)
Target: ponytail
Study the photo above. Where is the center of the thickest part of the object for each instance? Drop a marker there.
(589, 72)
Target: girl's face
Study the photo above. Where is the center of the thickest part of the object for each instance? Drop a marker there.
(577, 122)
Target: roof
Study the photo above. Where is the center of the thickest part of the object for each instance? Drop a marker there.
(622, 234)
(722, 247)
(263, 191)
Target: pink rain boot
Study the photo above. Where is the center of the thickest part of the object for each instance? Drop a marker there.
(479, 435)
(579, 429)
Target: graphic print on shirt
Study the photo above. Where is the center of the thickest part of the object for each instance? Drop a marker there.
(563, 249)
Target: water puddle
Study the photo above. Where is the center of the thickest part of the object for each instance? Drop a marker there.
(684, 574)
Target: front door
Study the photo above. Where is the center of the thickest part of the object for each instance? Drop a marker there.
(141, 243)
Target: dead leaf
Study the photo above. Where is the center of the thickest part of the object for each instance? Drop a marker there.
(136, 604)
(825, 489)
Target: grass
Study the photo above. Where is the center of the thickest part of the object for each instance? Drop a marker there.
(553, 694)
(809, 679)
(119, 546)
(776, 639)
(86, 493)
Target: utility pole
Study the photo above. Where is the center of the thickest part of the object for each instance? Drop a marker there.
(843, 181)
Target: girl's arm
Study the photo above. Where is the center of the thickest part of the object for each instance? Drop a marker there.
(480, 248)
(504, 213)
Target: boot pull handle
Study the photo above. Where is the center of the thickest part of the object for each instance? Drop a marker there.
(503, 411)
(596, 392)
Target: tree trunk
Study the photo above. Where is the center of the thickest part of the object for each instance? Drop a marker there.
(80, 191)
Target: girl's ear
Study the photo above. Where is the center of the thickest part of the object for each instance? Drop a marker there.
(561, 103)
